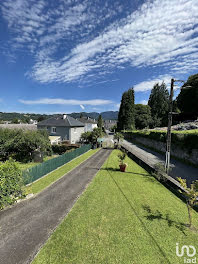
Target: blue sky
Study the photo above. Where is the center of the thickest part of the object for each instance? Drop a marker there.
(81, 55)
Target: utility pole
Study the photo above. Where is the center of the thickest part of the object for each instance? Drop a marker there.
(170, 113)
(168, 139)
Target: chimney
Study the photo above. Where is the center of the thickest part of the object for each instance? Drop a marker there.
(64, 116)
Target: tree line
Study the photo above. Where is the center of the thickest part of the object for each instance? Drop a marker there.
(155, 114)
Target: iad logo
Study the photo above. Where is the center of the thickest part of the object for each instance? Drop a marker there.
(190, 252)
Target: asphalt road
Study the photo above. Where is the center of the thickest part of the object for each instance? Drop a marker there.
(25, 227)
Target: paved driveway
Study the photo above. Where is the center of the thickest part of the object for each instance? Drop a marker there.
(25, 227)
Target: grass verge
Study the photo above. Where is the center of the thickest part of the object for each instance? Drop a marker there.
(45, 181)
(121, 218)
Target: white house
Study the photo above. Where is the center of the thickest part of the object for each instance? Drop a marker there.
(89, 123)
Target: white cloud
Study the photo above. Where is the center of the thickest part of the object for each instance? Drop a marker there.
(117, 106)
(160, 32)
(59, 101)
(144, 102)
(148, 85)
(82, 106)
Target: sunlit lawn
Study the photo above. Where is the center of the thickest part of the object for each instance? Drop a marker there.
(53, 176)
(121, 218)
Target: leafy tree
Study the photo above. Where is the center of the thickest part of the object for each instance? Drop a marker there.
(159, 103)
(126, 115)
(21, 144)
(25, 120)
(95, 134)
(92, 137)
(11, 183)
(113, 128)
(86, 136)
(15, 121)
(40, 118)
(100, 122)
(191, 195)
(187, 100)
(143, 117)
(118, 137)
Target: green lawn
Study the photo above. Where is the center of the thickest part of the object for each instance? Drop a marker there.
(24, 166)
(45, 181)
(121, 218)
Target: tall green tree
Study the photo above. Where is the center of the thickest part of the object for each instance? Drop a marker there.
(187, 100)
(100, 122)
(159, 104)
(126, 115)
(143, 117)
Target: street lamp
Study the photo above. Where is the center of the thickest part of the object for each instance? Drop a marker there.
(168, 139)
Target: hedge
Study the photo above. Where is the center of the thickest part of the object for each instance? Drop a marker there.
(185, 139)
(11, 183)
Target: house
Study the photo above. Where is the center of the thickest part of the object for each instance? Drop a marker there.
(33, 122)
(66, 127)
(89, 123)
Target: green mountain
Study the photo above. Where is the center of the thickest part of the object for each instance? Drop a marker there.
(24, 117)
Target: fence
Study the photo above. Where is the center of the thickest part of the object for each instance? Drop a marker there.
(36, 172)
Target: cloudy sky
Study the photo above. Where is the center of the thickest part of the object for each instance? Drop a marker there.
(74, 55)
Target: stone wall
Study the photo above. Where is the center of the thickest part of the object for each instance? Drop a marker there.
(183, 154)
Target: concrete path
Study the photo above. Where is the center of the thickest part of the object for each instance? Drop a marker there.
(151, 157)
(25, 227)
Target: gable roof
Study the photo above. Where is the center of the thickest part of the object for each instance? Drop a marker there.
(86, 120)
(68, 121)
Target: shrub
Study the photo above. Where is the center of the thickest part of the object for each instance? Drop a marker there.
(11, 183)
(21, 144)
(60, 149)
(184, 139)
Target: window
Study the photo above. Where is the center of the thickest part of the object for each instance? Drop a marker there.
(75, 130)
(53, 129)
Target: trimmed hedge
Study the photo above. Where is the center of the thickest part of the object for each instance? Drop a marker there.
(11, 183)
(184, 139)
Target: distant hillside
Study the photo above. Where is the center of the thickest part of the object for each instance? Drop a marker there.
(21, 116)
(113, 115)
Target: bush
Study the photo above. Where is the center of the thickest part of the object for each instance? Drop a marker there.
(60, 149)
(20, 144)
(184, 139)
(11, 183)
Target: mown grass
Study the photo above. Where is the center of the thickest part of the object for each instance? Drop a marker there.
(45, 181)
(24, 166)
(121, 218)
